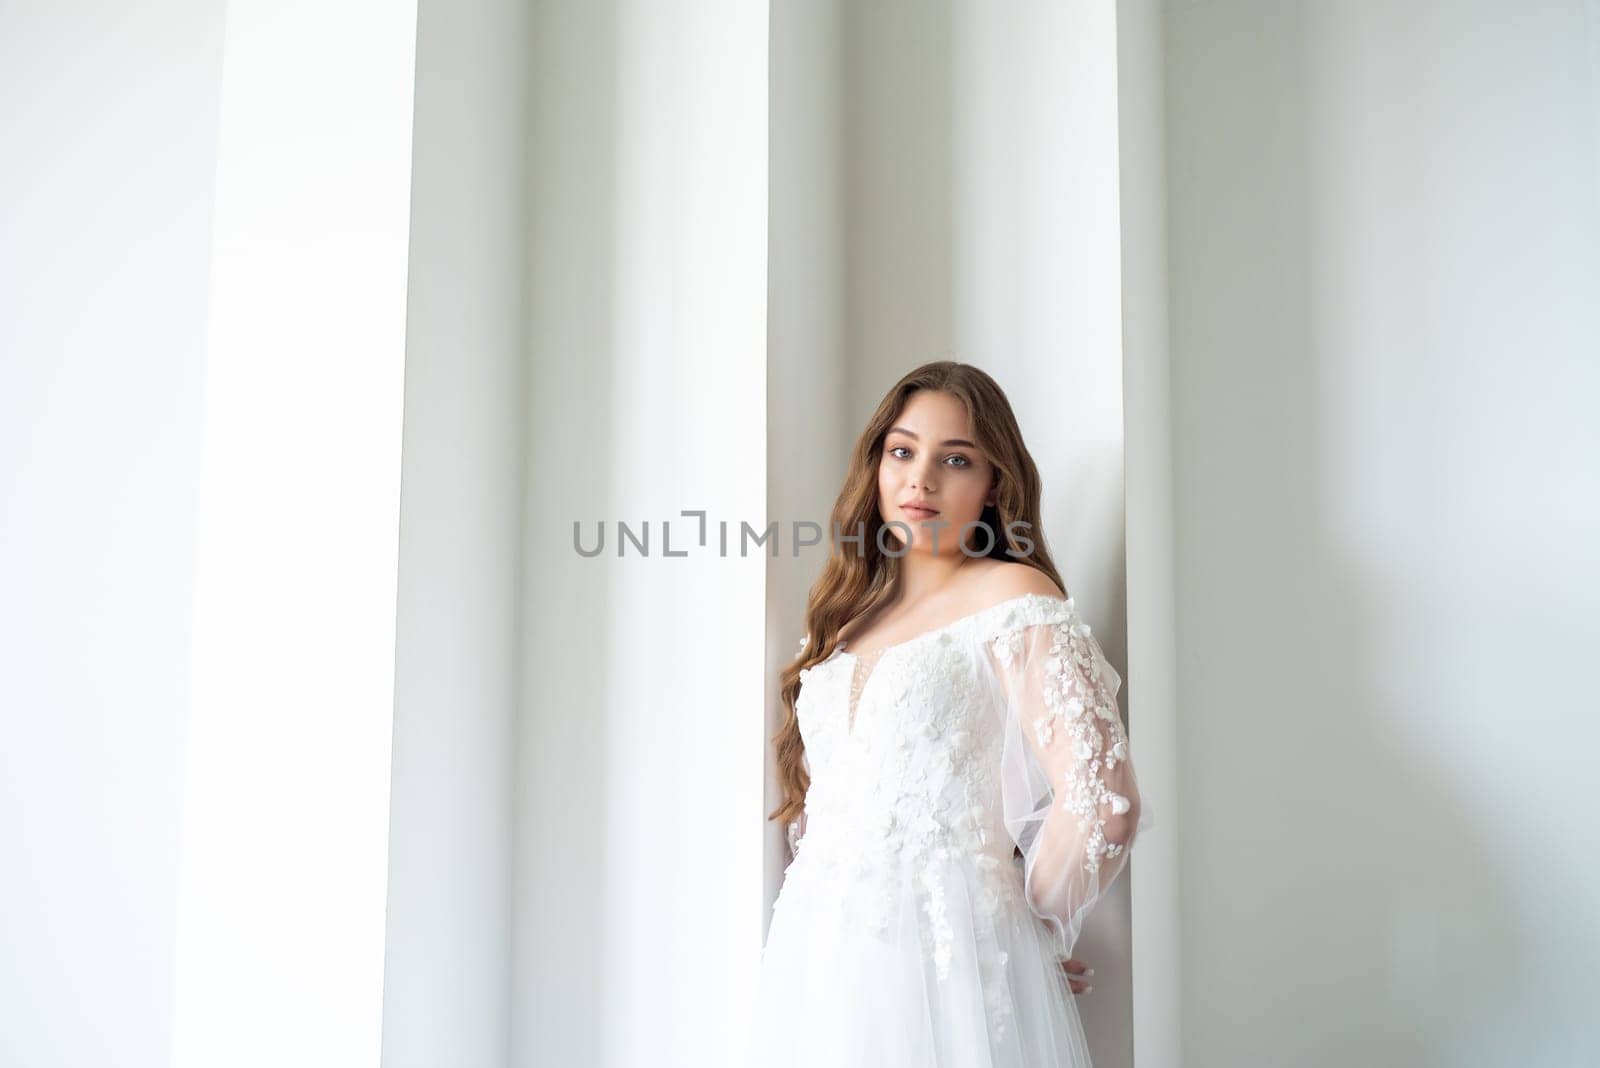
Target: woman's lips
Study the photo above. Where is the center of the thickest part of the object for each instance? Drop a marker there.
(919, 513)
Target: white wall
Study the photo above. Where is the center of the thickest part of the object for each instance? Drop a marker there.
(280, 932)
(447, 965)
(1385, 256)
(639, 837)
(109, 118)
(1383, 238)
(199, 455)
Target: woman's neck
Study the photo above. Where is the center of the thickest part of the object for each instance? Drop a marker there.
(924, 573)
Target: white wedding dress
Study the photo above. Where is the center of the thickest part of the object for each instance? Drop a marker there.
(907, 934)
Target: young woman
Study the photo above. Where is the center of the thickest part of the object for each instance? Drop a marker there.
(956, 775)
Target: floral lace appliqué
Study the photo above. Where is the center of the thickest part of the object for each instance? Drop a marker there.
(904, 816)
(1080, 705)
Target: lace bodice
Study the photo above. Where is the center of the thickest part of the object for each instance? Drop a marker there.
(999, 731)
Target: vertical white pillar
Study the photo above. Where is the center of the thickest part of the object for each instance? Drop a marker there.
(1152, 656)
(447, 958)
(638, 895)
(281, 895)
(108, 116)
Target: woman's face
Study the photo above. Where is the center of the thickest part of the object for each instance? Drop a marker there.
(929, 458)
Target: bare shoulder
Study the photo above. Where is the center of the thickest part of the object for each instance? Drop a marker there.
(1003, 580)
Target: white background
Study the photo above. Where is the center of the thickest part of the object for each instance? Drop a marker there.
(109, 118)
(1345, 259)
(1385, 346)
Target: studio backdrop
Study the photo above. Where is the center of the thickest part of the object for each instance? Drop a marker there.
(334, 338)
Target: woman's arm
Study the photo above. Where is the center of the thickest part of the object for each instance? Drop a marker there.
(1072, 802)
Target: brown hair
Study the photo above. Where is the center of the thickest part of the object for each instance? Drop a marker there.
(857, 580)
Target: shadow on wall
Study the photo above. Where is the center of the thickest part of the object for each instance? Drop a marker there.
(1346, 902)
(563, 937)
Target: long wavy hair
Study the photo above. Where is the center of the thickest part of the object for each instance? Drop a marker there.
(858, 580)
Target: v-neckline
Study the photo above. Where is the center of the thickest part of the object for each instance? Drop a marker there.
(856, 695)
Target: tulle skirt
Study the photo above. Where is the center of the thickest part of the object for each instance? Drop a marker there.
(934, 972)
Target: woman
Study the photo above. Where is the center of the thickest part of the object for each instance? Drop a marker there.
(949, 713)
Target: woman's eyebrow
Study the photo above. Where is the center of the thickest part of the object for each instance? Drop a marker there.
(913, 437)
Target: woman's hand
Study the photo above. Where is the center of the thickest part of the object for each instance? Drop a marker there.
(1074, 969)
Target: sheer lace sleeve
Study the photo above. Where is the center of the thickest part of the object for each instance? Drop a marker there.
(1071, 802)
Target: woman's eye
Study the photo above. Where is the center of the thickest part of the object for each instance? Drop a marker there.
(897, 448)
(964, 461)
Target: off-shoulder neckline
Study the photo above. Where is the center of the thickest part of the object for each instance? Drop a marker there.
(969, 618)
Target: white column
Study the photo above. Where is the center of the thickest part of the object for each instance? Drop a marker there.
(281, 894)
(447, 965)
(1153, 697)
(638, 891)
(108, 115)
